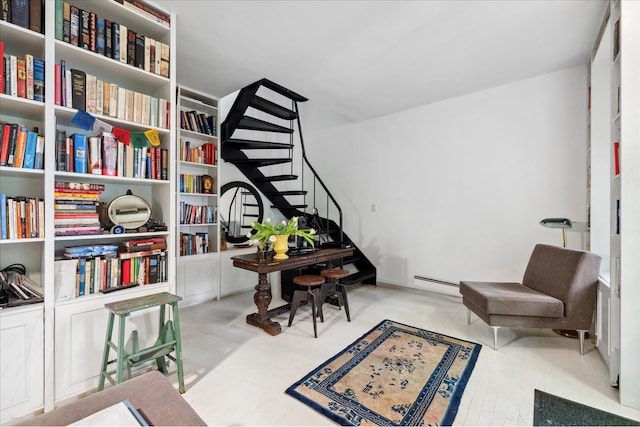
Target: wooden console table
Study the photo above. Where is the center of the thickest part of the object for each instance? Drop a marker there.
(262, 297)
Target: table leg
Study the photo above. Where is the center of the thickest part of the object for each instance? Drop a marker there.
(262, 299)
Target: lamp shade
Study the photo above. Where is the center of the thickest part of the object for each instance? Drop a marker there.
(557, 223)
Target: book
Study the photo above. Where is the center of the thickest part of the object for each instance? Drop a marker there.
(131, 47)
(78, 91)
(95, 155)
(140, 51)
(35, 15)
(90, 93)
(21, 143)
(4, 147)
(106, 97)
(61, 150)
(113, 100)
(38, 162)
(164, 60)
(100, 36)
(80, 147)
(85, 31)
(38, 79)
(13, 136)
(115, 41)
(616, 157)
(124, 34)
(99, 97)
(30, 150)
(62, 185)
(74, 26)
(3, 216)
(21, 77)
(64, 272)
(20, 13)
(13, 75)
(109, 154)
(28, 59)
(108, 38)
(66, 22)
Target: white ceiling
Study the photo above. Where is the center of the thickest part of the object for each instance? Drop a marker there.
(364, 59)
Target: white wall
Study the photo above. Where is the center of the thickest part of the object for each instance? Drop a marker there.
(460, 186)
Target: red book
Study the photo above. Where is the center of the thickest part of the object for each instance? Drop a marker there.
(76, 191)
(22, 78)
(616, 157)
(4, 154)
(57, 84)
(126, 273)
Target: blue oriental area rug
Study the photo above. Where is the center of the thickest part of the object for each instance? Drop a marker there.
(395, 374)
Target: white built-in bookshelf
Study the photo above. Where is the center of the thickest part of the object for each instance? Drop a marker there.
(197, 191)
(56, 345)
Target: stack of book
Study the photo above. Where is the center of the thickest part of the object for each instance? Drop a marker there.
(144, 262)
(21, 76)
(76, 208)
(20, 147)
(204, 154)
(87, 30)
(21, 217)
(198, 122)
(198, 214)
(194, 244)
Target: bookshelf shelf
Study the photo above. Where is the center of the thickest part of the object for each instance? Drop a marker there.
(107, 236)
(185, 164)
(16, 37)
(21, 107)
(20, 241)
(191, 134)
(74, 176)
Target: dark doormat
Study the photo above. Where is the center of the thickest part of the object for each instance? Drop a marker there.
(550, 410)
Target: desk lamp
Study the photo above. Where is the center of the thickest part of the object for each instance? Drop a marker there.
(563, 223)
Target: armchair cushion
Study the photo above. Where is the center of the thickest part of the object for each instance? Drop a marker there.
(511, 299)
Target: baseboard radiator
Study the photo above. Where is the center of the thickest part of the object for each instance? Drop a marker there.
(436, 285)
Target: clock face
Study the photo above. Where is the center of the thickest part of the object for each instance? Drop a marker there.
(240, 206)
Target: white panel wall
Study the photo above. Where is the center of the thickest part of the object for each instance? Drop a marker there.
(460, 186)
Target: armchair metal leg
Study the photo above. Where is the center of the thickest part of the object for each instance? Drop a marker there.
(468, 316)
(581, 334)
(495, 337)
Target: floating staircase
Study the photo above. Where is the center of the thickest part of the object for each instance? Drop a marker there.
(263, 139)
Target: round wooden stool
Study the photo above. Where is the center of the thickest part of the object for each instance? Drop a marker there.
(334, 289)
(306, 295)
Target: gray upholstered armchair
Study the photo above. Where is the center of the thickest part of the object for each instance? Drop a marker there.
(558, 291)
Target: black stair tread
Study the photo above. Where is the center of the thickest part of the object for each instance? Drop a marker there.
(288, 206)
(274, 178)
(251, 123)
(259, 162)
(286, 193)
(357, 277)
(249, 144)
(272, 108)
(282, 90)
(250, 215)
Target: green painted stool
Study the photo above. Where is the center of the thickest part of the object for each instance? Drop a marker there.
(130, 355)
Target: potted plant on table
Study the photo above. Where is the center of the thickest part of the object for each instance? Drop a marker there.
(275, 236)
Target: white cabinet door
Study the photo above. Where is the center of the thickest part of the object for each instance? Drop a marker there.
(21, 361)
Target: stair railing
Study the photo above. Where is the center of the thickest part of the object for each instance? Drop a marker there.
(317, 178)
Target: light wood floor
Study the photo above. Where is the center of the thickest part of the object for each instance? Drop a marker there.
(236, 374)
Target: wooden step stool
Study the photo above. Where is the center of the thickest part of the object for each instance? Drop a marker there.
(130, 355)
